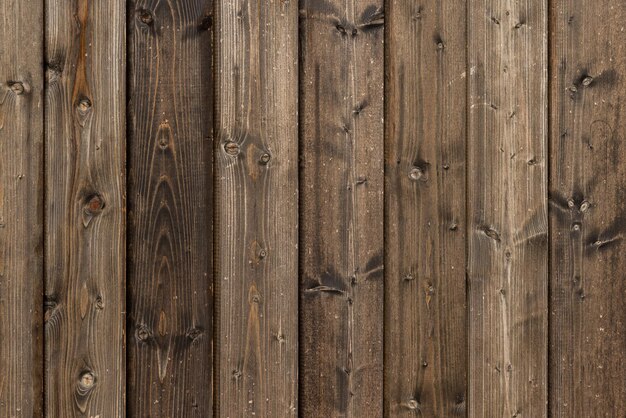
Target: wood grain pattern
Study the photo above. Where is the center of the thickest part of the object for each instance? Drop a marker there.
(425, 313)
(85, 208)
(587, 209)
(21, 208)
(341, 283)
(507, 208)
(256, 213)
(170, 351)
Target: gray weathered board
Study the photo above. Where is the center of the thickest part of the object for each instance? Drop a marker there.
(314, 208)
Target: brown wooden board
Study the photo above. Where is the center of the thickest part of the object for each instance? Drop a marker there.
(21, 208)
(170, 280)
(425, 312)
(507, 208)
(256, 208)
(341, 283)
(85, 208)
(587, 209)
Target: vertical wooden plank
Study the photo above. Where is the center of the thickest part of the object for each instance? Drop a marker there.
(85, 208)
(587, 209)
(170, 212)
(21, 208)
(425, 314)
(507, 208)
(341, 282)
(256, 205)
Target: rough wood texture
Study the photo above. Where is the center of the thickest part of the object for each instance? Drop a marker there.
(170, 335)
(588, 211)
(85, 208)
(507, 208)
(341, 282)
(425, 324)
(257, 200)
(21, 208)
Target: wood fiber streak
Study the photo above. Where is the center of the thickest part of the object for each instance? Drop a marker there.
(507, 208)
(425, 313)
(256, 250)
(588, 209)
(170, 329)
(21, 208)
(85, 208)
(341, 283)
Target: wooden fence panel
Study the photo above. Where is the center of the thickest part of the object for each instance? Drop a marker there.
(587, 181)
(342, 67)
(21, 208)
(256, 208)
(425, 312)
(170, 335)
(85, 208)
(507, 208)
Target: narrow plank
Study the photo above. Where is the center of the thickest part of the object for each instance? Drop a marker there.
(85, 208)
(170, 275)
(21, 208)
(256, 208)
(507, 208)
(425, 311)
(587, 209)
(341, 283)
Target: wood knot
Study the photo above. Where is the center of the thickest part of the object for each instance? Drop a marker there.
(194, 333)
(587, 81)
(86, 380)
(142, 333)
(83, 105)
(265, 158)
(262, 253)
(207, 22)
(145, 17)
(231, 148)
(412, 404)
(94, 205)
(17, 87)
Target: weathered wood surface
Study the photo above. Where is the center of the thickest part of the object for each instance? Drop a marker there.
(21, 208)
(256, 208)
(342, 68)
(425, 324)
(85, 208)
(507, 208)
(588, 217)
(170, 280)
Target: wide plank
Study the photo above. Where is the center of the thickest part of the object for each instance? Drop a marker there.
(170, 191)
(342, 180)
(21, 208)
(85, 208)
(425, 220)
(587, 209)
(256, 246)
(507, 208)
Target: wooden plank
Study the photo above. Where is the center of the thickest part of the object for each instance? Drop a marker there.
(170, 278)
(425, 313)
(256, 207)
(85, 208)
(507, 208)
(341, 281)
(21, 208)
(587, 211)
